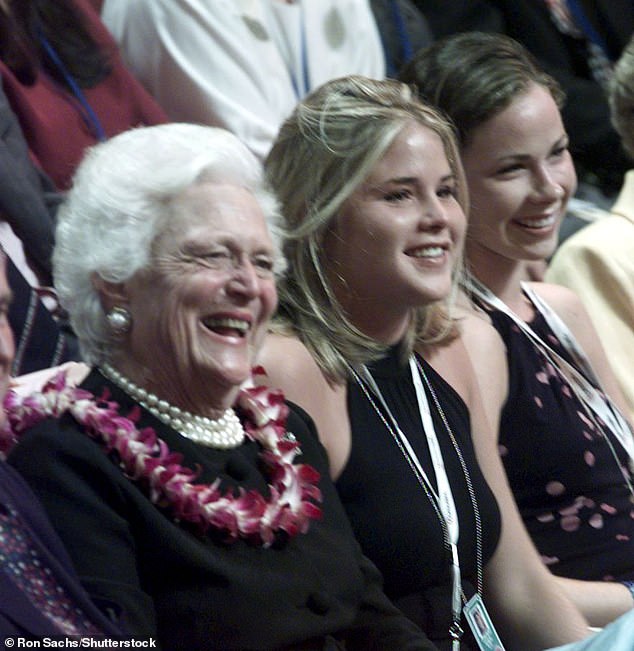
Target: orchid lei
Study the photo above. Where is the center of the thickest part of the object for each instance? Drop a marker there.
(293, 492)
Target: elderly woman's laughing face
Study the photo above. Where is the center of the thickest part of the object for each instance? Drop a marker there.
(200, 311)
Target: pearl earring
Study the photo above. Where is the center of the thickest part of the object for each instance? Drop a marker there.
(119, 320)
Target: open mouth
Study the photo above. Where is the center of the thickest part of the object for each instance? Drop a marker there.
(227, 327)
(427, 252)
(537, 223)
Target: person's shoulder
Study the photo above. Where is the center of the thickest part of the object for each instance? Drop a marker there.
(49, 444)
(287, 361)
(562, 300)
(290, 366)
(477, 349)
(275, 343)
(570, 309)
(478, 335)
(594, 235)
(59, 445)
(606, 244)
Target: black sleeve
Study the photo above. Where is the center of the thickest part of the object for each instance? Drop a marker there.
(403, 29)
(79, 487)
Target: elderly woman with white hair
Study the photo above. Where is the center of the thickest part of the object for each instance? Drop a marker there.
(197, 501)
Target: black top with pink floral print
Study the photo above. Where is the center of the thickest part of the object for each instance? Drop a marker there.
(569, 487)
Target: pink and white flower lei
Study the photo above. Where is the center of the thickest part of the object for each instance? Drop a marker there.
(145, 458)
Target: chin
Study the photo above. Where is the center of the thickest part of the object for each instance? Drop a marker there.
(543, 252)
(232, 378)
(437, 292)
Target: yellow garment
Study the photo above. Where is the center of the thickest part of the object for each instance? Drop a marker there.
(597, 263)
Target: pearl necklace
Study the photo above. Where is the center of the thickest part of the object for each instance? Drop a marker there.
(222, 433)
(293, 488)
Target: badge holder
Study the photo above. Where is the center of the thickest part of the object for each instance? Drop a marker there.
(481, 625)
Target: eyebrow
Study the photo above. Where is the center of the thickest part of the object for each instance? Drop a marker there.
(523, 157)
(201, 247)
(409, 180)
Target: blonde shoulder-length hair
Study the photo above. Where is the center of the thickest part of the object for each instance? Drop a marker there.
(324, 151)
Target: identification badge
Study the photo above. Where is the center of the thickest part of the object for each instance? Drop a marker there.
(481, 625)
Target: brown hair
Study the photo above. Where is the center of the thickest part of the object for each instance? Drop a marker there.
(474, 76)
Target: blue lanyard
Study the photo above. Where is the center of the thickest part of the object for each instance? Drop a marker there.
(87, 113)
(579, 16)
(407, 51)
(301, 85)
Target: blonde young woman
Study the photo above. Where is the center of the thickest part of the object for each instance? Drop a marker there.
(373, 200)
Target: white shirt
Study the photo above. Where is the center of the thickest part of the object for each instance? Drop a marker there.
(242, 64)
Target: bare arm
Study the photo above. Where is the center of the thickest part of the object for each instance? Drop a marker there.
(601, 602)
(570, 309)
(291, 368)
(528, 606)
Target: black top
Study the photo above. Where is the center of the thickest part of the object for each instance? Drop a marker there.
(187, 590)
(392, 517)
(569, 488)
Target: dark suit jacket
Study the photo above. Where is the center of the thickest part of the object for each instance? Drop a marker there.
(18, 615)
(403, 31)
(28, 202)
(595, 145)
(191, 591)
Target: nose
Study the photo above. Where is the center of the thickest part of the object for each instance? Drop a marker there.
(244, 279)
(434, 215)
(546, 189)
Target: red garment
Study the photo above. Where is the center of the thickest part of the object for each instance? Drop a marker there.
(50, 118)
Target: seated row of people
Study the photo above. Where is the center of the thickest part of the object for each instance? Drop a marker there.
(187, 257)
(203, 262)
(187, 492)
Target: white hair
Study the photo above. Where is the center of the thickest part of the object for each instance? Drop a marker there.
(122, 198)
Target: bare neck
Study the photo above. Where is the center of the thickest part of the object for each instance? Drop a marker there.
(503, 276)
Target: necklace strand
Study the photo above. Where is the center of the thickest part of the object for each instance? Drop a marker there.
(222, 433)
(421, 481)
(294, 494)
(467, 476)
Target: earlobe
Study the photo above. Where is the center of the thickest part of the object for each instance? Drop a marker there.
(110, 294)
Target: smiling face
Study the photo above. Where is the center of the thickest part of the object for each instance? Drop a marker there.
(520, 177)
(396, 240)
(199, 314)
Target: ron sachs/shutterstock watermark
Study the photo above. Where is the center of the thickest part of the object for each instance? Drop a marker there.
(77, 643)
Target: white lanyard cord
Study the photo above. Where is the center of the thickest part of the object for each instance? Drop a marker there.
(441, 499)
(595, 403)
